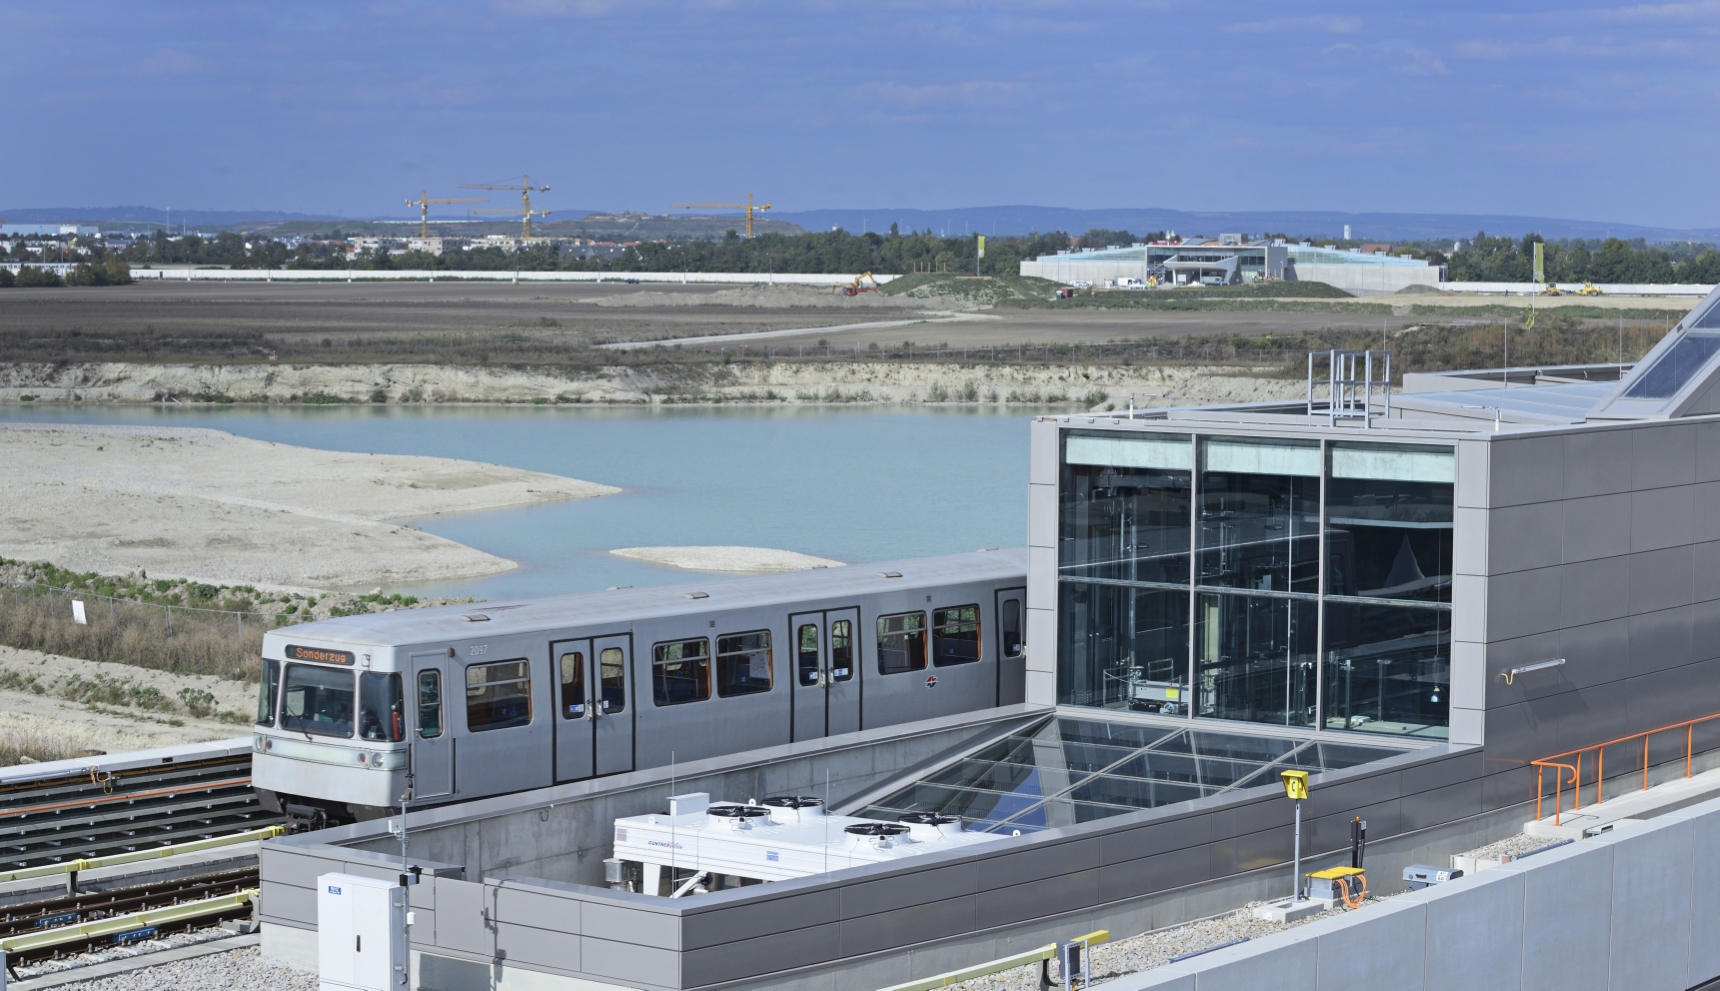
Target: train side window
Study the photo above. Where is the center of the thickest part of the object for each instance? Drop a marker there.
(681, 671)
(902, 643)
(955, 635)
(743, 663)
(381, 708)
(572, 684)
(841, 650)
(612, 678)
(806, 653)
(317, 699)
(266, 694)
(498, 695)
(1012, 627)
(429, 704)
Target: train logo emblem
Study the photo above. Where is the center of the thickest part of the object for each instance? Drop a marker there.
(931, 681)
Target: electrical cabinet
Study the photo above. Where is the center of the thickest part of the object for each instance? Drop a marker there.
(361, 934)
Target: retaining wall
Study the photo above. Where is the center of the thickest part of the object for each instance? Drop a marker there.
(1635, 909)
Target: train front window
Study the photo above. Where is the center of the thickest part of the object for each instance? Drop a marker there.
(743, 664)
(612, 678)
(681, 671)
(902, 643)
(317, 700)
(429, 704)
(498, 695)
(266, 693)
(381, 708)
(841, 650)
(955, 635)
(572, 684)
(806, 653)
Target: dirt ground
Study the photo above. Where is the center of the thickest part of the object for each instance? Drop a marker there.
(241, 321)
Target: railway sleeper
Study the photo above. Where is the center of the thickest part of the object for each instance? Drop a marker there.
(56, 912)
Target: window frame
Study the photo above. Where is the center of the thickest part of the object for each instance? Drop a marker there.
(568, 709)
(603, 663)
(701, 662)
(472, 698)
(847, 673)
(921, 634)
(391, 733)
(723, 686)
(978, 645)
(269, 693)
(439, 706)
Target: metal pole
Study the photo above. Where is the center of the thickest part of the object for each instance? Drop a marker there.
(1297, 893)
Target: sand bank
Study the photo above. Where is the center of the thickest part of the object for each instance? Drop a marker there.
(750, 559)
(38, 720)
(208, 505)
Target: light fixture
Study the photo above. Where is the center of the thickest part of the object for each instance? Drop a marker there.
(1512, 673)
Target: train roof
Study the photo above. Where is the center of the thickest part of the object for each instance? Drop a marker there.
(404, 627)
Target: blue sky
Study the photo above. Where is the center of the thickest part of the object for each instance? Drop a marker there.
(1599, 112)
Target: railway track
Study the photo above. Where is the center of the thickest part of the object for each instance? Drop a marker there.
(71, 914)
(95, 812)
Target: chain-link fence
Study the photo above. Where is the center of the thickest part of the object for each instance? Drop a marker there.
(187, 639)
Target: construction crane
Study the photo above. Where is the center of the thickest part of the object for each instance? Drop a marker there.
(747, 206)
(423, 204)
(525, 212)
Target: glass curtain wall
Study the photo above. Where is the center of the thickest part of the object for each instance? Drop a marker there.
(1205, 593)
(1123, 561)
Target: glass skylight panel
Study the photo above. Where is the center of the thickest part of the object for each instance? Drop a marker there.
(1673, 369)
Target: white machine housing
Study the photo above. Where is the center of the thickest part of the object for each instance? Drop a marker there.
(772, 842)
(361, 934)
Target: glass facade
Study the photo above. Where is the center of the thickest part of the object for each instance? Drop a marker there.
(1289, 582)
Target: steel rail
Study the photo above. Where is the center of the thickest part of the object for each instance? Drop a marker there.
(49, 939)
(54, 912)
(157, 853)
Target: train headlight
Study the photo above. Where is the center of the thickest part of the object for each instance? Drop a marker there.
(257, 742)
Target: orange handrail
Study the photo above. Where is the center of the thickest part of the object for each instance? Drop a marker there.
(1540, 766)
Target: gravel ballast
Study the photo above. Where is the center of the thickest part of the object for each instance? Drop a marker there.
(239, 970)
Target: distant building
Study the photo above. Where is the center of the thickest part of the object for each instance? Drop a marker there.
(48, 230)
(1233, 260)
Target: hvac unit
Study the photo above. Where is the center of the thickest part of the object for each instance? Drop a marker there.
(361, 934)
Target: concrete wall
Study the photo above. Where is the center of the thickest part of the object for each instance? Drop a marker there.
(1364, 278)
(849, 930)
(1600, 545)
(1635, 909)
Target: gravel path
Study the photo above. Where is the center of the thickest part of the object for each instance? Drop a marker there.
(107, 953)
(239, 970)
(1516, 846)
(1149, 950)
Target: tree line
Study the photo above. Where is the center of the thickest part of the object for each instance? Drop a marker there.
(1504, 259)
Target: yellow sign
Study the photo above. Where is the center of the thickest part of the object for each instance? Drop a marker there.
(1540, 267)
(1295, 784)
(982, 245)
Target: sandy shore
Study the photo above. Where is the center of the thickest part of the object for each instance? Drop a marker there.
(208, 505)
(717, 558)
(36, 715)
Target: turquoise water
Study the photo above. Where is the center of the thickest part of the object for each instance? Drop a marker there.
(851, 484)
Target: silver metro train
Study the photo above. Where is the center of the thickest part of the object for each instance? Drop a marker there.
(493, 698)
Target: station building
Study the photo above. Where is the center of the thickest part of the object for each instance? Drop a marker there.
(1231, 259)
(1411, 596)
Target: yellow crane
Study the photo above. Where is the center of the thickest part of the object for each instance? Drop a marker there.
(525, 212)
(423, 204)
(747, 206)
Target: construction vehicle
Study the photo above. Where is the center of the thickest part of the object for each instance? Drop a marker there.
(1550, 289)
(747, 206)
(855, 288)
(1589, 289)
(423, 204)
(525, 212)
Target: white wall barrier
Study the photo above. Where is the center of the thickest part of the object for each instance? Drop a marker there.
(422, 275)
(1636, 909)
(1607, 288)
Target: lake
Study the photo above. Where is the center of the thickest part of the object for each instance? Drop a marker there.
(854, 484)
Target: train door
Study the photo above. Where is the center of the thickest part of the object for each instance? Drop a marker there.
(432, 744)
(594, 712)
(826, 672)
(1011, 646)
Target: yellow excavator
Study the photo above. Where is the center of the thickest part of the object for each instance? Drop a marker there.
(856, 287)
